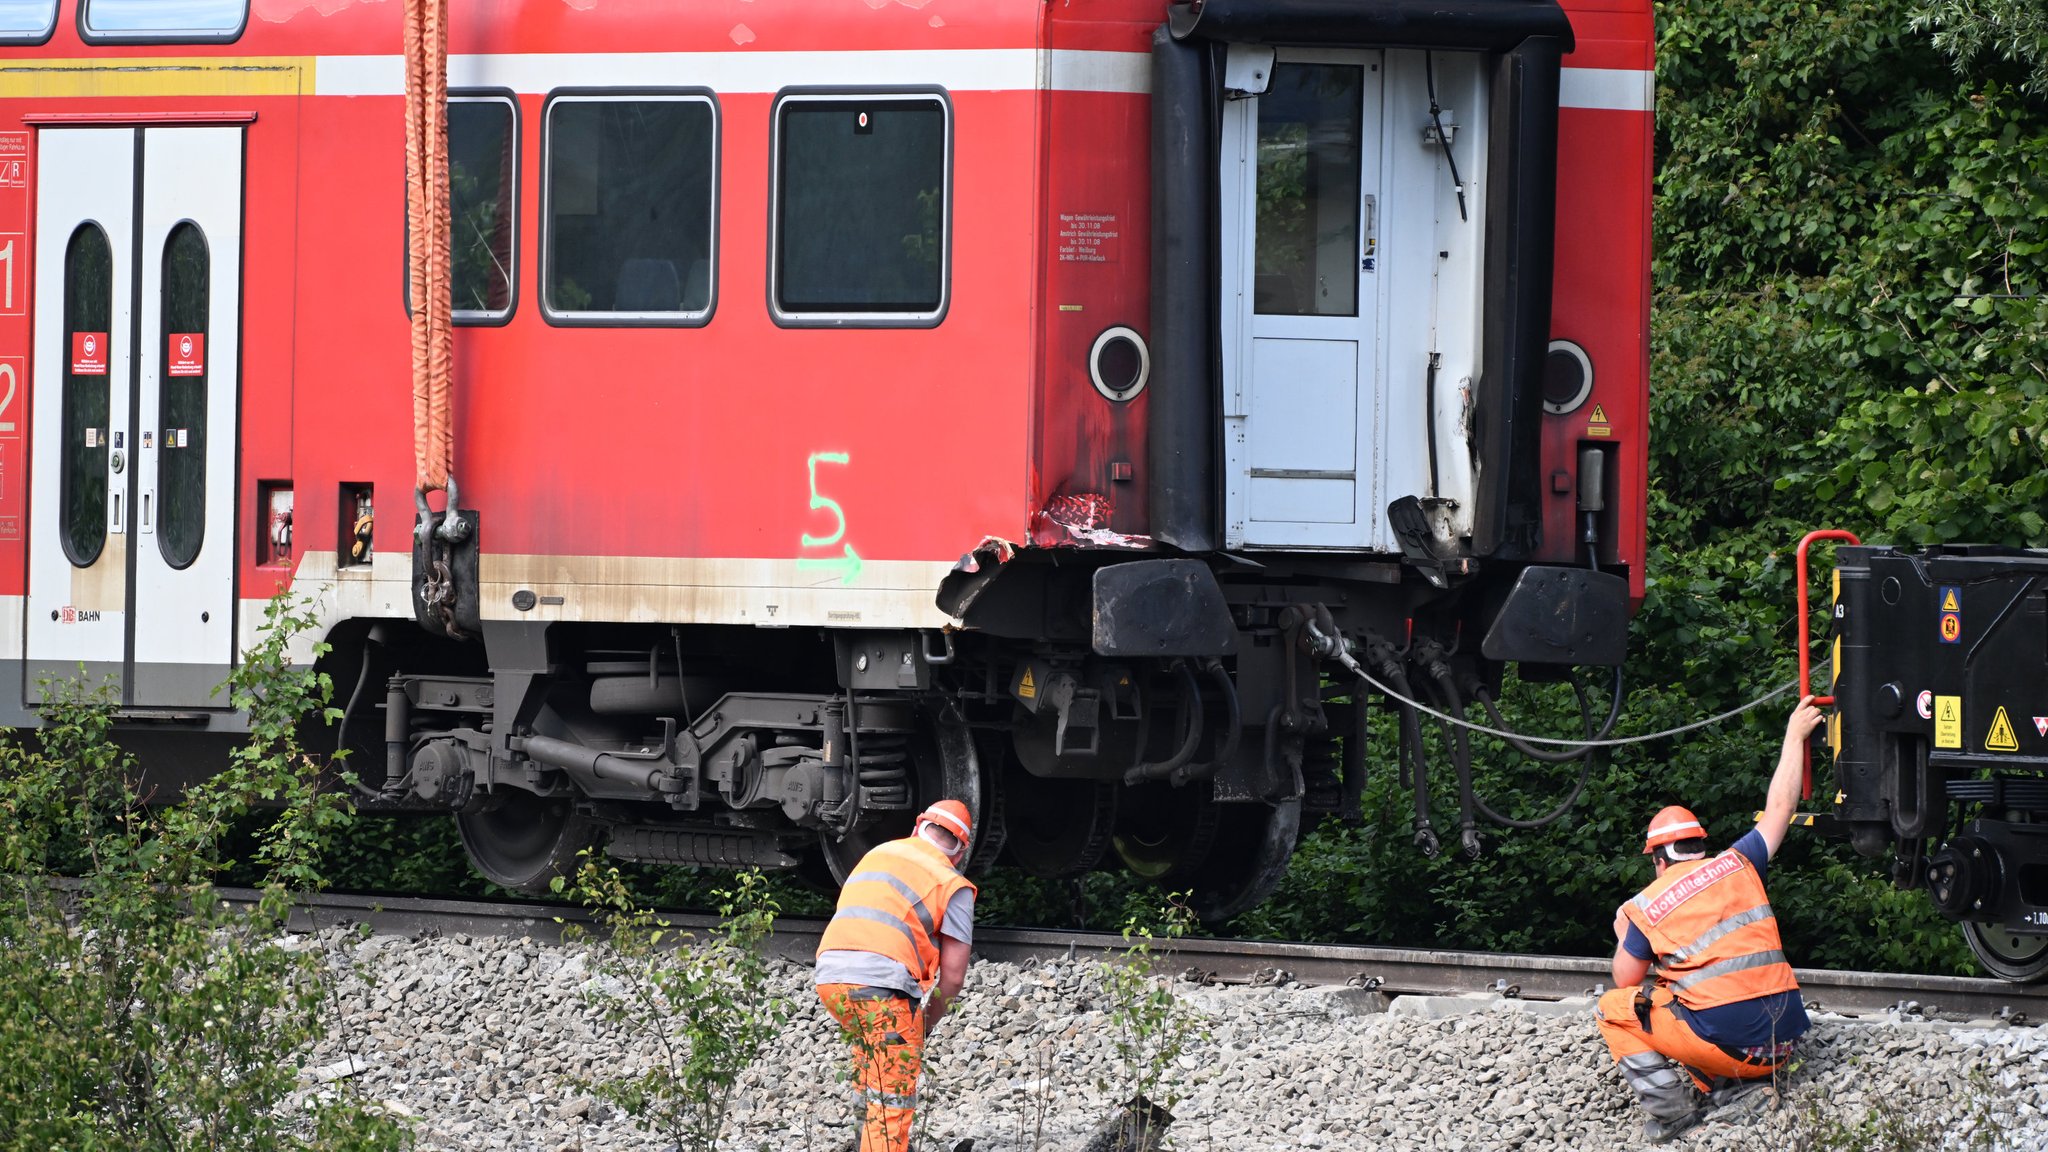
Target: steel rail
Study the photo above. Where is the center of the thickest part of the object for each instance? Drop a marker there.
(1390, 972)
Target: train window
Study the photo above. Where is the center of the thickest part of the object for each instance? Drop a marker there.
(162, 21)
(1311, 123)
(861, 209)
(27, 21)
(483, 179)
(181, 398)
(82, 467)
(483, 174)
(629, 197)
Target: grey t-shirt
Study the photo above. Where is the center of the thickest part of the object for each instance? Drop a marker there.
(872, 970)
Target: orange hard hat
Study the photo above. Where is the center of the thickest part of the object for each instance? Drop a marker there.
(951, 815)
(1671, 825)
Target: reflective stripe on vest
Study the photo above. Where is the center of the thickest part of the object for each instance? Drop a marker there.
(1713, 932)
(1706, 939)
(893, 905)
(924, 914)
(1724, 967)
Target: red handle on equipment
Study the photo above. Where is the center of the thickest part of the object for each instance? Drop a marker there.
(1806, 641)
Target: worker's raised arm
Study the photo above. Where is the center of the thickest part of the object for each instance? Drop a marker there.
(1783, 798)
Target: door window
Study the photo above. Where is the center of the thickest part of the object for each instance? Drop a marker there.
(181, 399)
(1311, 119)
(88, 312)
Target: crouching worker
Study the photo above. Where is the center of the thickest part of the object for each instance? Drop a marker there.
(1724, 1005)
(893, 958)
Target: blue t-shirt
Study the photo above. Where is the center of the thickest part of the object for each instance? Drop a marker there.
(1771, 1019)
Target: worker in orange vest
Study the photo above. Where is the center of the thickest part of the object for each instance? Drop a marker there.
(1724, 1004)
(893, 959)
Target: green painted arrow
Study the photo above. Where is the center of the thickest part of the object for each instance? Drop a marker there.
(848, 566)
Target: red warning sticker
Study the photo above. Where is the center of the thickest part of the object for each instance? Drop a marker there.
(88, 353)
(188, 354)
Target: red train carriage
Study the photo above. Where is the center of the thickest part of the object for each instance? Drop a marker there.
(853, 400)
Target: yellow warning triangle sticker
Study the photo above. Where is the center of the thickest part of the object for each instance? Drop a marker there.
(1949, 602)
(1028, 687)
(1599, 415)
(2002, 738)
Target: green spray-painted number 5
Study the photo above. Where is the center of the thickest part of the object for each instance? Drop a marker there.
(826, 502)
(847, 564)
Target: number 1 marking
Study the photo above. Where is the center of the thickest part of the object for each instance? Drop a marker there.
(7, 258)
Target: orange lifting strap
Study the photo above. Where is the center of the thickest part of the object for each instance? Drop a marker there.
(1806, 640)
(427, 246)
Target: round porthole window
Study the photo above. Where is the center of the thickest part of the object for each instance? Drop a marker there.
(1119, 363)
(1567, 378)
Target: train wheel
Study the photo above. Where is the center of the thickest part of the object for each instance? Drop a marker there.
(1056, 828)
(2008, 955)
(522, 841)
(943, 765)
(1166, 834)
(1248, 860)
(991, 826)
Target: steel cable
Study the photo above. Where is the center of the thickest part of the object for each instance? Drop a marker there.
(1369, 678)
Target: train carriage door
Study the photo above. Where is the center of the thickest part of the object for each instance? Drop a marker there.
(131, 565)
(1300, 308)
(84, 353)
(190, 262)
(1351, 260)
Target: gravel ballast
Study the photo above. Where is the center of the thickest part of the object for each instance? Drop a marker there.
(488, 1043)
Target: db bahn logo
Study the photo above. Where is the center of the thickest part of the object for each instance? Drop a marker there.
(69, 615)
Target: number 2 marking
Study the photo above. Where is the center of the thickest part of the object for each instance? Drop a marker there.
(817, 501)
(7, 401)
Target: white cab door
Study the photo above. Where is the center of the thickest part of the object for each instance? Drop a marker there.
(84, 369)
(1300, 184)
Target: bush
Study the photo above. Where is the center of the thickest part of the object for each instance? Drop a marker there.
(145, 1012)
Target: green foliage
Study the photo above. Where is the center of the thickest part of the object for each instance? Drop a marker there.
(144, 1012)
(707, 1005)
(1149, 1026)
(1982, 31)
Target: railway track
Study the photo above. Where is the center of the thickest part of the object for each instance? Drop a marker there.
(1388, 972)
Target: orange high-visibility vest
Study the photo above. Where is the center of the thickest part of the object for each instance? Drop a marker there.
(894, 904)
(1713, 931)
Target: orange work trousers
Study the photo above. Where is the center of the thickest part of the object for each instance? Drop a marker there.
(1667, 1034)
(887, 1035)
